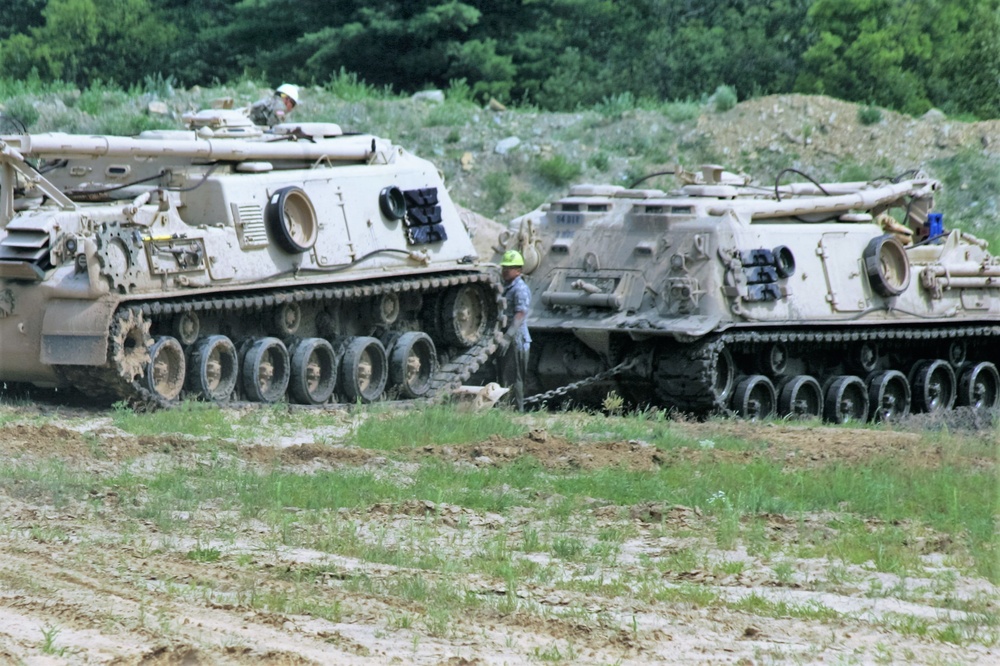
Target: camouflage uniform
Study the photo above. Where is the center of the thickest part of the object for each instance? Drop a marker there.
(514, 361)
(268, 112)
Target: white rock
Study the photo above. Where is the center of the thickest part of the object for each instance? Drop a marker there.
(432, 96)
(504, 146)
(158, 108)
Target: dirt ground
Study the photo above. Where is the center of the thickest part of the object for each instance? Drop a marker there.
(80, 584)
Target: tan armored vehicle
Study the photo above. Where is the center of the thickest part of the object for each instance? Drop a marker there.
(846, 300)
(228, 263)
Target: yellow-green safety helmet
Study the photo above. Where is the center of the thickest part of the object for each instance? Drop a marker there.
(512, 258)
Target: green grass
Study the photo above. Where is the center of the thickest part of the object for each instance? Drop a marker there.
(904, 499)
(547, 534)
(435, 424)
(198, 419)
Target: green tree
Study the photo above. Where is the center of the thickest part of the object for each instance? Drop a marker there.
(82, 41)
(20, 15)
(900, 53)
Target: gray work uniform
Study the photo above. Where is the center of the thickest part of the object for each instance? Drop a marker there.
(514, 362)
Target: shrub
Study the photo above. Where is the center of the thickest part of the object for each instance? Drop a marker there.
(348, 87)
(599, 161)
(498, 192)
(682, 111)
(558, 170)
(23, 110)
(724, 98)
(449, 113)
(869, 115)
(616, 106)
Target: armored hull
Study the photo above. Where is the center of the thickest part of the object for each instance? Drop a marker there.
(840, 300)
(229, 263)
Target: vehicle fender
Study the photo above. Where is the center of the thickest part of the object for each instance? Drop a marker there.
(75, 332)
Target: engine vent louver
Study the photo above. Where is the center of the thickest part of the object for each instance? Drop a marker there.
(24, 254)
(250, 227)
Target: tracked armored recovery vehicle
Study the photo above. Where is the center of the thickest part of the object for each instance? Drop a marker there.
(846, 300)
(229, 263)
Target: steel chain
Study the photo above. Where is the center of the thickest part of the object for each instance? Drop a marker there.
(569, 388)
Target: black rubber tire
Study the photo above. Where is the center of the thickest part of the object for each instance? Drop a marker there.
(889, 396)
(186, 327)
(800, 396)
(772, 360)
(165, 374)
(754, 397)
(784, 261)
(363, 370)
(933, 384)
(978, 386)
(202, 379)
(292, 220)
(265, 370)
(887, 265)
(392, 203)
(957, 352)
(464, 315)
(313, 372)
(413, 382)
(286, 319)
(846, 400)
(722, 372)
(864, 358)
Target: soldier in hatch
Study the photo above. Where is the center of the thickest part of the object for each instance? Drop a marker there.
(274, 110)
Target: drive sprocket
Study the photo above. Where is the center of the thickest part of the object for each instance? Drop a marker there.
(129, 344)
(118, 252)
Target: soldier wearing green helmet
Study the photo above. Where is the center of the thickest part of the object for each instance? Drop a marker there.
(514, 346)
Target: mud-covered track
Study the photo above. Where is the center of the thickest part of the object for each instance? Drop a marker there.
(110, 381)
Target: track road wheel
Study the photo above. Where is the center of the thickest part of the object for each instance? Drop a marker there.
(167, 367)
(800, 397)
(213, 368)
(863, 358)
(363, 370)
(314, 371)
(978, 386)
(265, 370)
(754, 397)
(846, 400)
(888, 396)
(412, 364)
(933, 385)
(464, 315)
(772, 360)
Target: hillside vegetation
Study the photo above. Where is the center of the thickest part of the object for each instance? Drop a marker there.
(907, 55)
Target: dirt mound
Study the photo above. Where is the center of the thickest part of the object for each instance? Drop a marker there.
(819, 129)
(550, 451)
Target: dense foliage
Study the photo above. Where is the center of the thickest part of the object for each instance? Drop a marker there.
(908, 55)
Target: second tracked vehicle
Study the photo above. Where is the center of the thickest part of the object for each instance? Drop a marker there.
(843, 300)
(224, 262)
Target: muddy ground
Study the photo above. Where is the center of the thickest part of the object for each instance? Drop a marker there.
(85, 582)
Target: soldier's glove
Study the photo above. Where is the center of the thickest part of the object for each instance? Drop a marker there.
(504, 344)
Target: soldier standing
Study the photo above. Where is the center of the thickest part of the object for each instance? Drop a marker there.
(516, 340)
(273, 110)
